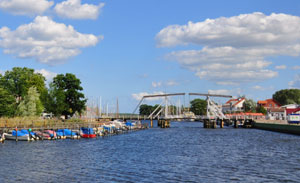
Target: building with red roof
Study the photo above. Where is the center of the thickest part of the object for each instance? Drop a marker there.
(234, 105)
(269, 103)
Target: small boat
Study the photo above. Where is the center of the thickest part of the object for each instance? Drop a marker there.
(18, 135)
(87, 133)
(51, 133)
(41, 135)
(68, 133)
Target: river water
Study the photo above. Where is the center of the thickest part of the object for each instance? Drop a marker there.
(186, 152)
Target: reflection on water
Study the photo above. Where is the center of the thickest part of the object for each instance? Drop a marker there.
(186, 152)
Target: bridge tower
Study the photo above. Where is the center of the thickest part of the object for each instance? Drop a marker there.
(213, 113)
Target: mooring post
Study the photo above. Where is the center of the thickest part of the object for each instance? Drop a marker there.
(221, 123)
(151, 122)
(235, 123)
(16, 133)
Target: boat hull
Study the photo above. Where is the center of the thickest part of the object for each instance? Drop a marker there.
(20, 138)
(88, 135)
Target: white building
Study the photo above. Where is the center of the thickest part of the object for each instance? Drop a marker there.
(234, 105)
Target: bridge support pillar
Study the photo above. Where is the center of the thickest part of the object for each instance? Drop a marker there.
(221, 123)
(235, 123)
(164, 123)
(209, 124)
(151, 123)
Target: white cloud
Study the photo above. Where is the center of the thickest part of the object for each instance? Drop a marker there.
(172, 83)
(156, 84)
(75, 10)
(220, 92)
(47, 74)
(234, 49)
(139, 96)
(45, 41)
(257, 87)
(25, 7)
(281, 67)
(295, 83)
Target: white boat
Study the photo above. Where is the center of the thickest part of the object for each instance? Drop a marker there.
(20, 138)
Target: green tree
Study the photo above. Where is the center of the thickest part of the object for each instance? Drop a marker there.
(19, 80)
(261, 109)
(145, 109)
(198, 106)
(65, 97)
(250, 105)
(287, 96)
(7, 103)
(31, 105)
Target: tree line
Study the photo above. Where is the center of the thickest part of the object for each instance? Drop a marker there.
(23, 92)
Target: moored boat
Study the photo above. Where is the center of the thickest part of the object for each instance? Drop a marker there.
(43, 136)
(87, 133)
(18, 135)
(68, 133)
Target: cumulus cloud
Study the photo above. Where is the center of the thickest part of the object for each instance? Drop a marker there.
(47, 74)
(73, 9)
(139, 96)
(46, 41)
(25, 7)
(295, 83)
(234, 49)
(280, 67)
(156, 84)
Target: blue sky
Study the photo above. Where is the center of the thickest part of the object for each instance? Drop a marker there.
(129, 48)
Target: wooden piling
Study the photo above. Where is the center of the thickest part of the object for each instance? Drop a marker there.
(151, 123)
(235, 123)
(221, 123)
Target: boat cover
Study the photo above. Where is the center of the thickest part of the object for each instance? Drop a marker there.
(67, 132)
(87, 130)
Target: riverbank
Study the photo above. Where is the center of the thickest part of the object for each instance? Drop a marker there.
(277, 126)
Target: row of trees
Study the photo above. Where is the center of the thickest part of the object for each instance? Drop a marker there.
(23, 92)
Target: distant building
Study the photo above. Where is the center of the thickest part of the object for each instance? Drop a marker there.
(276, 113)
(234, 105)
(292, 109)
(269, 103)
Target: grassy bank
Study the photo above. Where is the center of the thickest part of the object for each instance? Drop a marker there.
(37, 122)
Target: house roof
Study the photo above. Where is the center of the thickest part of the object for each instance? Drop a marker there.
(291, 111)
(268, 101)
(262, 102)
(242, 99)
(237, 101)
(231, 100)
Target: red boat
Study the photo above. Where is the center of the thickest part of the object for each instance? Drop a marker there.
(87, 133)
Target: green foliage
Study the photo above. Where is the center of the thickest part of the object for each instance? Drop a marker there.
(148, 109)
(7, 103)
(64, 97)
(31, 105)
(145, 109)
(250, 105)
(287, 96)
(19, 80)
(261, 109)
(199, 106)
